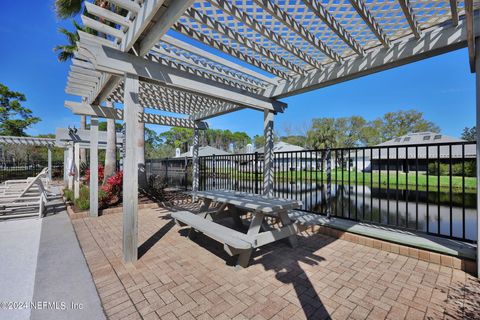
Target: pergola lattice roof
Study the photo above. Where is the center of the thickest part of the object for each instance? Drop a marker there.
(28, 141)
(277, 48)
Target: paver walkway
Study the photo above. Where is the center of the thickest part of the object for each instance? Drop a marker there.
(322, 278)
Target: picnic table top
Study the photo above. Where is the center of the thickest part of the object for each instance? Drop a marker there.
(250, 201)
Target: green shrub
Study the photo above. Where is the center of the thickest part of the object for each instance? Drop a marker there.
(68, 194)
(82, 204)
(83, 201)
(469, 169)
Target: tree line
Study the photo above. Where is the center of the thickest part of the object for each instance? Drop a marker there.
(346, 132)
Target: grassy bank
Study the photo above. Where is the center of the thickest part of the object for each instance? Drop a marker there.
(392, 180)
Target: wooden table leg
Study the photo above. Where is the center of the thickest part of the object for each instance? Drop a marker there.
(256, 224)
(285, 222)
(203, 211)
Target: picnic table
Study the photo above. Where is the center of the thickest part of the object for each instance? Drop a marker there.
(235, 203)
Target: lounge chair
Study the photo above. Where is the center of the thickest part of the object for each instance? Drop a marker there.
(24, 199)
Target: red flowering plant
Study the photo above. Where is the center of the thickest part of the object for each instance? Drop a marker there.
(112, 189)
(101, 174)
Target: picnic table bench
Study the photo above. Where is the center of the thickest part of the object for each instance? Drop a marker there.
(236, 242)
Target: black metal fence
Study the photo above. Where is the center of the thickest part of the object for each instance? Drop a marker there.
(424, 187)
(11, 170)
(173, 173)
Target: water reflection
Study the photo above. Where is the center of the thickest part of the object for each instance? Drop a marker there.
(411, 209)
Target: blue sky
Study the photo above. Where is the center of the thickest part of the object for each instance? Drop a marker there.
(441, 87)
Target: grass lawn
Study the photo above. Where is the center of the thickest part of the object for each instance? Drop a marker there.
(376, 179)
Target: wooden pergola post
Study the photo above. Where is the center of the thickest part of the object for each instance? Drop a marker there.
(268, 153)
(69, 166)
(142, 175)
(76, 180)
(195, 164)
(93, 167)
(477, 77)
(130, 177)
(65, 167)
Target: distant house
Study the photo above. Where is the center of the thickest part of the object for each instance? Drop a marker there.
(281, 146)
(413, 151)
(288, 157)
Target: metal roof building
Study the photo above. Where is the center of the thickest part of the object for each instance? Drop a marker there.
(204, 151)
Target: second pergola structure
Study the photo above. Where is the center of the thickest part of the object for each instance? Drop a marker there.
(261, 51)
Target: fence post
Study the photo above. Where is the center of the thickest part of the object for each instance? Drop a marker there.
(186, 174)
(256, 172)
(214, 164)
(329, 183)
(166, 172)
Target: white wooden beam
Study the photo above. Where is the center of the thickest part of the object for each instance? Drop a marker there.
(215, 111)
(80, 108)
(76, 178)
(195, 163)
(215, 58)
(169, 17)
(244, 41)
(65, 167)
(83, 77)
(106, 14)
(477, 87)
(77, 92)
(194, 34)
(268, 155)
(70, 166)
(172, 121)
(130, 172)
(410, 16)
(93, 167)
(96, 39)
(117, 114)
(293, 25)
(144, 18)
(84, 71)
(332, 23)
(439, 40)
(202, 73)
(102, 28)
(256, 26)
(207, 68)
(116, 62)
(364, 13)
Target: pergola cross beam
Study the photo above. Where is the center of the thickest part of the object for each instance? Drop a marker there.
(117, 114)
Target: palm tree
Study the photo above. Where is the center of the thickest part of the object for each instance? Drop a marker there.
(66, 51)
(66, 9)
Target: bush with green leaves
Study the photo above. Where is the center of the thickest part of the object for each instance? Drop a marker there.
(68, 194)
(458, 169)
(83, 201)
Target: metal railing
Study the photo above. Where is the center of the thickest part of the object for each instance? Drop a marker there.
(423, 187)
(175, 172)
(11, 170)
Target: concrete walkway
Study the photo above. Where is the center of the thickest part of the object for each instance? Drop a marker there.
(19, 242)
(43, 266)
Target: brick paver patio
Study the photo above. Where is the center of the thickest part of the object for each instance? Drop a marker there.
(324, 277)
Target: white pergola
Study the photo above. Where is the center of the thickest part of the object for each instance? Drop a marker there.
(156, 57)
(33, 141)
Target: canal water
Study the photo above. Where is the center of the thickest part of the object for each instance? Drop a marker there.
(432, 211)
